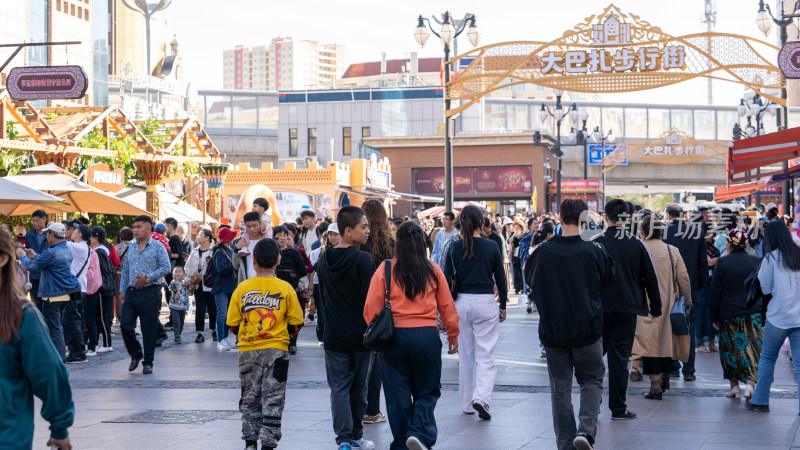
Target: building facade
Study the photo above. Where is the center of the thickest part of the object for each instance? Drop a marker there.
(284, 64)
(330, 125)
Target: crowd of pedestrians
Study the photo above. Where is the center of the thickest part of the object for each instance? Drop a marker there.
(637, 293)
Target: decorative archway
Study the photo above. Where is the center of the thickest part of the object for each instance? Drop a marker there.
(614, 52)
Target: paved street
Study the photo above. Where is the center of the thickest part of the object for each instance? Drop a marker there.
(191, 402)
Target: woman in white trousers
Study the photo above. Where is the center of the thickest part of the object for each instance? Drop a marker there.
(477, 266)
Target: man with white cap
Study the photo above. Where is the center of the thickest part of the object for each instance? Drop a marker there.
(58, 287)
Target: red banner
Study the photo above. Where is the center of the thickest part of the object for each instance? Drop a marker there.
(578, 185)
(430, 180)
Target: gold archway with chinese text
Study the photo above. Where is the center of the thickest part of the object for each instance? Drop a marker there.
(671, 147)
(615, 52)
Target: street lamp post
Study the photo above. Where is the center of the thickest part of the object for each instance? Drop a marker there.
(447, 34)
(764, 20)
(580, 137)
(558, 114)
(755, 108)
(147, 10)
(598, 137)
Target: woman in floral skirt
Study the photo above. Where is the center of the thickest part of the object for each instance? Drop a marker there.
(740, 326)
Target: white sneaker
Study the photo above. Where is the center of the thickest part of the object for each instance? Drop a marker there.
(363, 443)
(90, 353)
(748, 392)
(735, 392)
(413, 443)
(104, 349)
(225, 345)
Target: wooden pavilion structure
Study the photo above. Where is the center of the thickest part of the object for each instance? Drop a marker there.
(56, 134)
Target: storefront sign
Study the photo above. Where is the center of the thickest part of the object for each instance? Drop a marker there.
(490, 180)
(671, 147)
(103, 177)
(502, 180)
(47, 83)
(789, 60)
(577, 186)
(290, 204)
(430, 181)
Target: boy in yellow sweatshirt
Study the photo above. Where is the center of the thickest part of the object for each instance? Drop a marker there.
(262, 307)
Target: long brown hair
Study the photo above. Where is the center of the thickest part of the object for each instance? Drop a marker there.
(10, 292)
(379, 243)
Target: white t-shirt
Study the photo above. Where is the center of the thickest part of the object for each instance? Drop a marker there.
(314, 257)
(251, 271)
(80, 251)
(309, 239)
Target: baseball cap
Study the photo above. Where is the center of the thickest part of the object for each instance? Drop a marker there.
(57, 228)
(226, 234)
(160, 228)
(333, 228)
(100, 234)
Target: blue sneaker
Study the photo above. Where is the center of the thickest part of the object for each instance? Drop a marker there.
(363, 443)
(345, 446)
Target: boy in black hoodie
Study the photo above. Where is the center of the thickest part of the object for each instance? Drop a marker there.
(344, 276)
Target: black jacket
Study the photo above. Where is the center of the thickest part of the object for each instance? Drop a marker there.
(344, 276)
(479, 275)
(728, 296)
(292, 267)
(635, 278)
(567, 276)
(691, 244)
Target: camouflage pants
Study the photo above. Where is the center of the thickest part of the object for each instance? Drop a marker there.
(263, 374)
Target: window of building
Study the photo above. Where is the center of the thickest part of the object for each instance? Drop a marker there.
(312, 142)
(292, 141)
(365, 132)
(58, 5)
(346, 141)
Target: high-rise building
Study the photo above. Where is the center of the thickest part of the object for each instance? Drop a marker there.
(284, 64)
(246, 68)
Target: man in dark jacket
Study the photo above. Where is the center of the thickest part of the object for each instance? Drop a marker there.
(36, 240)
(344, 276)
(567, 275)
(691, 244)
(635, 281)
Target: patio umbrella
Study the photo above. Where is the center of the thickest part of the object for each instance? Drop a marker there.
(16, 194)
(171, 206)
(77, 196)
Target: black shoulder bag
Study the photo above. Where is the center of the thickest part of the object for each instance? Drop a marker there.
(452, 282)
(678, 317)
(379, 336)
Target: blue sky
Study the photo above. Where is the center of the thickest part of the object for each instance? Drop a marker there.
(205, 28)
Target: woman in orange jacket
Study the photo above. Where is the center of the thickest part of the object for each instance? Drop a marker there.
(411, 369)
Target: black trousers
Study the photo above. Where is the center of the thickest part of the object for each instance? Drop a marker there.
(516, 265)
(143, 304)
(688, 367)
(73, 328)
(204, 301)
(411, 372)
(320, 304)
(374, 388)
(619, 330)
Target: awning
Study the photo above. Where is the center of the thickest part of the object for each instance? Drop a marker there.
(723, 193)
(368, 192)
(762, 151)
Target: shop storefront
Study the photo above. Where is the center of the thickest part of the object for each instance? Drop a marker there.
(590, 191)
(504, 170)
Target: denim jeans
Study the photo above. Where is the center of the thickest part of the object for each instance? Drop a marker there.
(53, 314)
(411, 371)
(705, 332)
(773, 340)
(222, 300)
(688, 367)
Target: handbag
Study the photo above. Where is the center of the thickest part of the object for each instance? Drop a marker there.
(452, 282)
(678, 316)
(379, 336)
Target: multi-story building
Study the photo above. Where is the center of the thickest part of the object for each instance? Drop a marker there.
(284, 64)
(128, 37)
